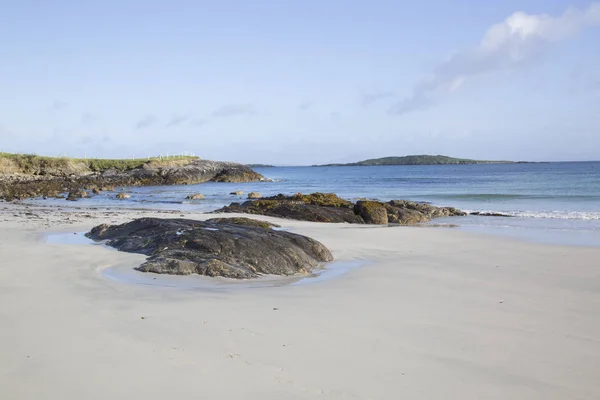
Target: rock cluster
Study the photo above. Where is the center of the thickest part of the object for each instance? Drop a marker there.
(228, 247)
(327, 207)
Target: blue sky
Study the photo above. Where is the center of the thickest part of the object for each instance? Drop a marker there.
(301, 82)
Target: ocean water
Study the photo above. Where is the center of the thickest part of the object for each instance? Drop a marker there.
(548, 202)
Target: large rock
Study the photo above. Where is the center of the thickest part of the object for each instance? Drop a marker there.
(372, 212)
(317, 207)
(233, 248)
(327, 207)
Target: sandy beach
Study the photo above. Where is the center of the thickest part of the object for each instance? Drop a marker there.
(432, 313)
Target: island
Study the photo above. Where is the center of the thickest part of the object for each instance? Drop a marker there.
(260, 166)
(416, 160)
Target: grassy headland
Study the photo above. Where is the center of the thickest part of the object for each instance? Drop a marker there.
(31, 164)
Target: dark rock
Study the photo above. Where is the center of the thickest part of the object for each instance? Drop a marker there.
(317, 207)
(327, 207)
(77, 194)
(243, 221)
(96, 191)
(489, 214)
(233, 248)
(372, 212)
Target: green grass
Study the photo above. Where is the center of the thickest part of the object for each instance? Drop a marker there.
(34, 164)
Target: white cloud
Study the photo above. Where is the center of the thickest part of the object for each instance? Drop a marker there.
(517, 40)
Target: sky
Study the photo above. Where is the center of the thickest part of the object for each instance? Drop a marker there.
(301, 82)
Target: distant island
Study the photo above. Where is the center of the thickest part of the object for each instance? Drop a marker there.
(417, 160)
(260, 166)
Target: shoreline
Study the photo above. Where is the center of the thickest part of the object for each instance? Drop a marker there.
(435, 311)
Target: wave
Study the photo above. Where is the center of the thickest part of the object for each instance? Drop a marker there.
(574, 215)
(500, 196)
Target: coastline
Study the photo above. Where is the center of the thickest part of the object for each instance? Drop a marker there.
(432, 311)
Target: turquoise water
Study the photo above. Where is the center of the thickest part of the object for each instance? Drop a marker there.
(550, 202)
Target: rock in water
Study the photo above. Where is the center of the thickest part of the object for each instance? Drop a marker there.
(122, 196)
(195, 196)
(254, 195)
(327, 207)
(233, 248)
(77, 194)
(237, 193)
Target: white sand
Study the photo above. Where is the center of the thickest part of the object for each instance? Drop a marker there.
(435, 314)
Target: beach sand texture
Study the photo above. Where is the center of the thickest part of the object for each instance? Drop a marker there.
(433, 313)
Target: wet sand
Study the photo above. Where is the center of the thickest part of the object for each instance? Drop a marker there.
(431, 314)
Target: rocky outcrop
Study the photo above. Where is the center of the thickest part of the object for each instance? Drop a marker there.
(152, 173)
(76, 194)
(229, 247)
(327, 207)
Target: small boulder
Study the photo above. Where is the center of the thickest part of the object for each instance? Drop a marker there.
(254, 195)
(77, 194)
(195, 196)
(122, 196)
(372, 212)
(237, 193)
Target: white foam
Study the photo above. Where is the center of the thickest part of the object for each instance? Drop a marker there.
(575, 215)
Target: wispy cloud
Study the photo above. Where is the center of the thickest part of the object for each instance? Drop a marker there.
(178, 119)
(234, 110)
(146, 121)
(198, 122)
(368, 98)
(58, 105)
(305, 106)
(87, 118)
(514, 42)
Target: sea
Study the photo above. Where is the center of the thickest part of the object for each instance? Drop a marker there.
(556, 203)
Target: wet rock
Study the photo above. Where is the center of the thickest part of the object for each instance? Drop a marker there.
(233, 248)
(490, 214)
(372, 212)
(254, 195)
(327, 207)
(77, 194)
(237, 193)
(317, 207)
(96, 191)
(243, 221)
(195, 196)
(122, 196)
